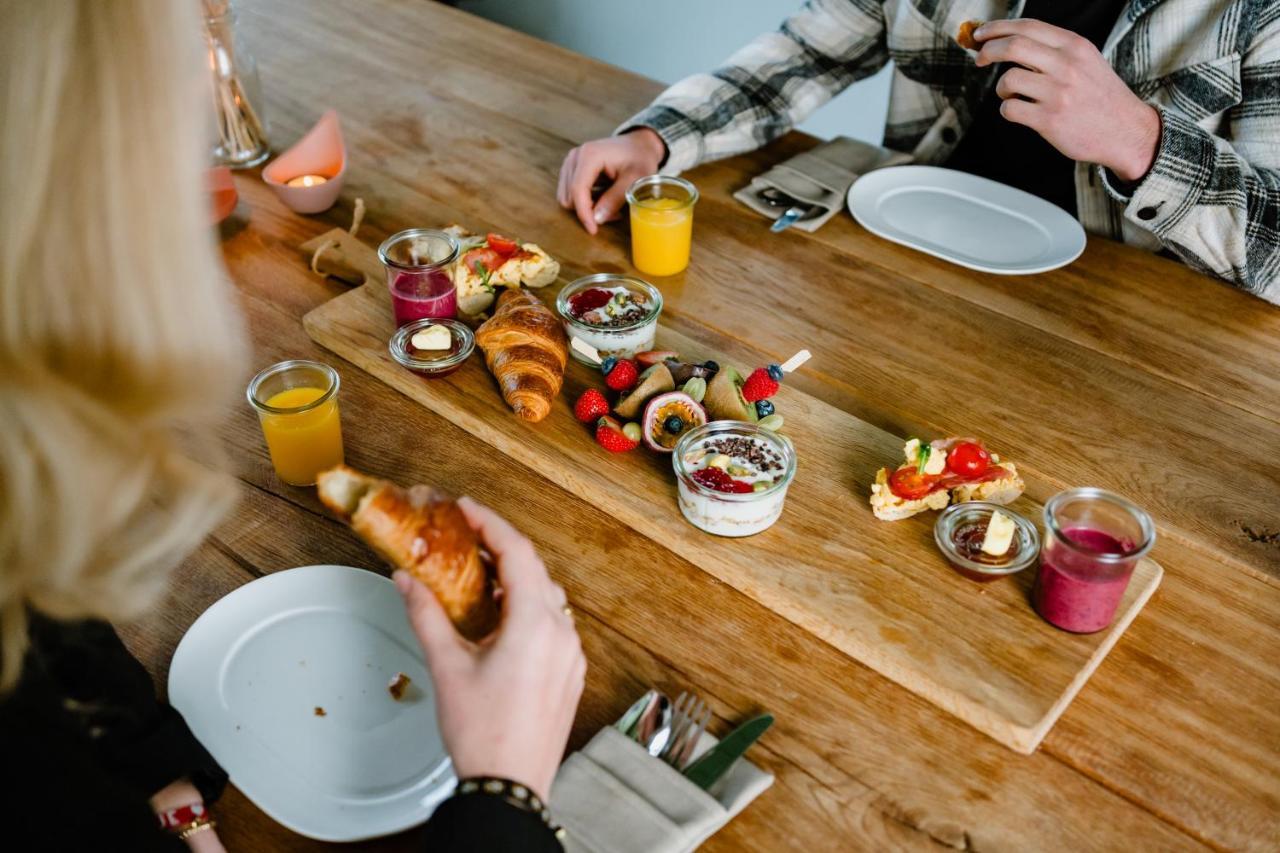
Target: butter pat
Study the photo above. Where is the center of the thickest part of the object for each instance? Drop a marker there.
(433, 338)
(1000, 530)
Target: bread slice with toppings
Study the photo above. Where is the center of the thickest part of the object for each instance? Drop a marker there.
(480, 273)
(999, 484)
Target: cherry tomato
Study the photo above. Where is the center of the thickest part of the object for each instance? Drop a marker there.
(490, 259)
(502, 245)
(910, 485)
(968, 459)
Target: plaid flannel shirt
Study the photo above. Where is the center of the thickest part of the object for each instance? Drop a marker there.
(1211, 68)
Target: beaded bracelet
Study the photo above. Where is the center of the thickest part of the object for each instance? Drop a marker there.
(514, 793)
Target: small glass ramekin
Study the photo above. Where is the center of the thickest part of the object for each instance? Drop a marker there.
(620, 341)
(726, 513)
(960, 515)
(432, 368)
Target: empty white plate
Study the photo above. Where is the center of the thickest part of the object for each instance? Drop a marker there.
(285, 680)
(965, 219)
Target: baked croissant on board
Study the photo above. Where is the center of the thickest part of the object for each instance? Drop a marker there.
(526, 349)
(422, 531)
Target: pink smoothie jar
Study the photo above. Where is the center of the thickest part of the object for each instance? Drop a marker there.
(1092, 541)
(419, 274)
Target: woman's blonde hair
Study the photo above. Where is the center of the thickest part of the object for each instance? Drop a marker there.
(120, 343)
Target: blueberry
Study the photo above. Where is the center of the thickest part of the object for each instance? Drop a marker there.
(764, 408)
(608, 364)
(775, 373)
(711, 365)
(673, 424)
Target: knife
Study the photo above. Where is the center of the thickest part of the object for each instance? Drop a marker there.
(708, 769)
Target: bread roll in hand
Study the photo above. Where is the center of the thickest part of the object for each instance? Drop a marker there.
(422, 531)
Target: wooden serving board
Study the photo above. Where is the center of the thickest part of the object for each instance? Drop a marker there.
(878, 591)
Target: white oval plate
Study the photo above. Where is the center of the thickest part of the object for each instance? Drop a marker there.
(249, 675)
(965, 219)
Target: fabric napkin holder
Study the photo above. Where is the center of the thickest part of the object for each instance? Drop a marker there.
(820, 176)
(613, 797)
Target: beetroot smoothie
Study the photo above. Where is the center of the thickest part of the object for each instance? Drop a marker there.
(1074, 591)
(1093, 539)
(422, 295)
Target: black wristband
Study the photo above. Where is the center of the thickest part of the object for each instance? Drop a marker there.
(513, 793)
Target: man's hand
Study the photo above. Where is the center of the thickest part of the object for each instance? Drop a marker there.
(622, 159)
(1065, 91)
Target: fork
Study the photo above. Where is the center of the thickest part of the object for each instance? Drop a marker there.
(689, 720)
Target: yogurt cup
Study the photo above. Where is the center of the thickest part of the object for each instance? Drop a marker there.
(620, 341)
(756, 456)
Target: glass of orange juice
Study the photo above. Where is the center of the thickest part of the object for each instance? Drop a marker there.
(297, 404)
(661, 223)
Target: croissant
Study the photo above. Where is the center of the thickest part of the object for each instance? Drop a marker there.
(526, 349)
(422, 531)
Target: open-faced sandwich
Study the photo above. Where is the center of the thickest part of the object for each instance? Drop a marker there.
(937, 473)
(487, 264)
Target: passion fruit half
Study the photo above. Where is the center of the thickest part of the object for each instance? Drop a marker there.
(669, 416)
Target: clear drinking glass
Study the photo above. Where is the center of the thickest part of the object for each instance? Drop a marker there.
(419, 277)
(661, 223)
(297, 404)
(1092, 541)
(237, 97)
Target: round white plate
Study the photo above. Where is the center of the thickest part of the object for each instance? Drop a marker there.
(965, 219)
(251, 672)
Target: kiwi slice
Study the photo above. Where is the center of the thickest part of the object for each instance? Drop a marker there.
(724, 401)
(656, 380)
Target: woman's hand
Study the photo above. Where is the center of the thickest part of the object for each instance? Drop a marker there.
(183, 793)
(1067, 92)
(622, 159)
(505, 705)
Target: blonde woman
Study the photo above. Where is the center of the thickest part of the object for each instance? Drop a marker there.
(120, 348)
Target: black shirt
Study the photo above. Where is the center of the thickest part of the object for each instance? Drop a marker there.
(1014, 154)
(85, 743)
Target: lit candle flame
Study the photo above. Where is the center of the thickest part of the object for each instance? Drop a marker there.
(306, 181)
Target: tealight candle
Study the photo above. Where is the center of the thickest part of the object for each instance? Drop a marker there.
(308, 177)
(306, 181)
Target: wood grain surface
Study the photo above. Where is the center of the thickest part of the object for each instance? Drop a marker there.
(1122, 370)
(878, 591)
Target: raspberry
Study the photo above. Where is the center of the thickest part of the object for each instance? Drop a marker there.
(718, 480)
(588, 300)
(623, 377)
(759, 386)
(591, 406)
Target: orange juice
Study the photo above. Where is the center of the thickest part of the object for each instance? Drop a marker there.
(304, 443)
(661, 235)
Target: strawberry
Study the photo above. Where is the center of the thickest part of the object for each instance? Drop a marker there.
(590, 406)
(760, 385)
(610, 436)
(623, 376)
(656, 356)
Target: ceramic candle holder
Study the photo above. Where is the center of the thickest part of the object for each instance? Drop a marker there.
(222, 192)
(320, 153)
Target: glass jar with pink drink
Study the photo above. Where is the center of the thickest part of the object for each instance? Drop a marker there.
(1093, 539)
(419, 265)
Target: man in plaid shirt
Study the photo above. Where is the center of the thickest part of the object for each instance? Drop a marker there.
(1164, 122)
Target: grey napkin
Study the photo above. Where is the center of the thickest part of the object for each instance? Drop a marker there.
(821, 176)
(613, 797)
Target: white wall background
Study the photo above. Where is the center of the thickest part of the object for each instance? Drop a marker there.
(670, 39)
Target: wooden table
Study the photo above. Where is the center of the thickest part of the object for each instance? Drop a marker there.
(1123, 370)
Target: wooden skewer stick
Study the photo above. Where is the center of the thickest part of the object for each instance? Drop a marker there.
(794, 363)
(592, 354)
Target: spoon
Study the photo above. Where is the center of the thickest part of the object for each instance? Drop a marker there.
(661, 731)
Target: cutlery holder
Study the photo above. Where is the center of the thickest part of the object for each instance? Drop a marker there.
(613, 797)
(821, 177)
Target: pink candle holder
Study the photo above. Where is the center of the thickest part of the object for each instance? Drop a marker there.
(308, 177)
